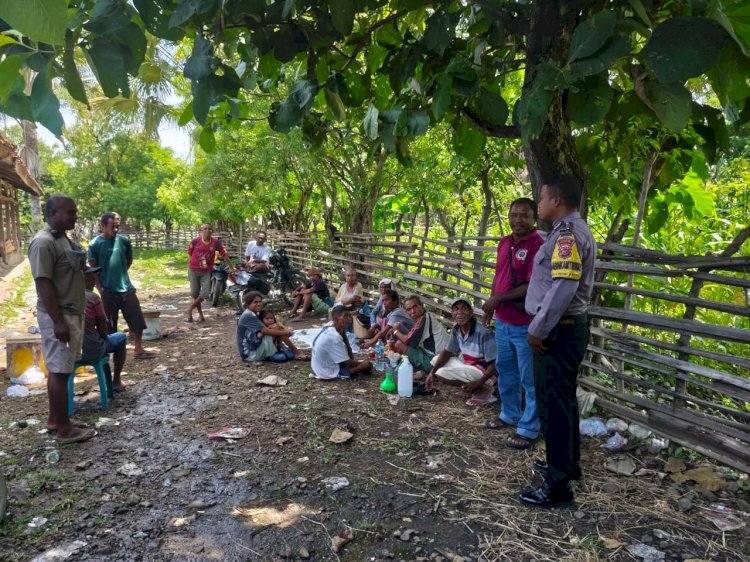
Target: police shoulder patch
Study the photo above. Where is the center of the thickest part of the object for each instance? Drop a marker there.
(566, 261)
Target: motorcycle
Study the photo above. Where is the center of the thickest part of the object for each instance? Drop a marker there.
(219, 276)
(281, 281)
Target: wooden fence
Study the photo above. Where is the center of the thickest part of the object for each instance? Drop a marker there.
(670, 346)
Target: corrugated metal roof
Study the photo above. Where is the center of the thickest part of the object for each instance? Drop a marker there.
(13, 170)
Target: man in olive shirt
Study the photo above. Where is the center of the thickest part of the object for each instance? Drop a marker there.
(57, 268)
(559, 291)
(114, 254)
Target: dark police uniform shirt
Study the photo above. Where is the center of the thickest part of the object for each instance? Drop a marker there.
(563, 275)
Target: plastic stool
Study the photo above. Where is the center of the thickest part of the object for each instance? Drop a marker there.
(103, 374)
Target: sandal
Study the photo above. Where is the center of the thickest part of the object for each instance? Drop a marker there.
(85, 435)
(520, 442)
(78, 424)
(496, 423)
(479, 400)
(145, 355)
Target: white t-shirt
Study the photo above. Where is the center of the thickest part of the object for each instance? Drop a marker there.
(328, 352)
(256, 252)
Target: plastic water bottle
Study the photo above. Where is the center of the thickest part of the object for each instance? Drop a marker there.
(405, 378)
(379, 356)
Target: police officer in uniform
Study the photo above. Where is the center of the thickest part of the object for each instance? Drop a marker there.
(557, 298)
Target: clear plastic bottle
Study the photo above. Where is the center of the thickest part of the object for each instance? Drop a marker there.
(379, 356)
(405, 378)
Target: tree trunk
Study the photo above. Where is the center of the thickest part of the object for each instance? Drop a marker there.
(30, 158)
(484, 220)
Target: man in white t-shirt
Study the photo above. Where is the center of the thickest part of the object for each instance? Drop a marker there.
(332, 357)
(257, 253)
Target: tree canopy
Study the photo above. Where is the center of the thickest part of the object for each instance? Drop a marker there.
(393, 68)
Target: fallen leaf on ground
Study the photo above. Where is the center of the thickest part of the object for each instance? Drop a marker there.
(282, 440)
(610, 543)
(340, 436)
(272, 380)
(705, 478)
(674, 465)
(621, 465)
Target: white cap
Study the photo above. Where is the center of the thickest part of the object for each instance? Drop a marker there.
(385, 281)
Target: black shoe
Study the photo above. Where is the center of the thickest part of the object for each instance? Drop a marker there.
(547, 495)
(540, 467)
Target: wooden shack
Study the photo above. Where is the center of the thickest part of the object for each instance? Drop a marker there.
(13, 176)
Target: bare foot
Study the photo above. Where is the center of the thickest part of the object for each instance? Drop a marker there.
(298, 318)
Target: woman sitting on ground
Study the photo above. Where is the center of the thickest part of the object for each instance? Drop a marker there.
(351, 293)
(255, 341)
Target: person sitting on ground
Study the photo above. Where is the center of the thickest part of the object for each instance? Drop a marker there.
(282, 343)
(426, 338)
(377, 317)
(255, 341)
(257, 253)
(474, 368)
(351, 293)
(393, 315)
(97, 342)
(312, 294)
(332, 356)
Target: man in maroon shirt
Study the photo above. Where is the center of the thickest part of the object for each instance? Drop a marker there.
(515, 360)
(202, 250)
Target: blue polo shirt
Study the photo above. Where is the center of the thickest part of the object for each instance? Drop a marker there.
(475, 348)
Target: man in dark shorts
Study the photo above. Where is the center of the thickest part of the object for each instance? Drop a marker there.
(313, 294)
(114, 254)
(57, 268)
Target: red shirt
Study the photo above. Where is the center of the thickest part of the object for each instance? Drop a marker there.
(202, 253)
(522, 253)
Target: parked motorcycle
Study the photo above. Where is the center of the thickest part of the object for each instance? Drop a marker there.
(219, 276)
(281, 281)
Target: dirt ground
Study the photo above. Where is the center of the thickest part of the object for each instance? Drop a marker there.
(426, 480)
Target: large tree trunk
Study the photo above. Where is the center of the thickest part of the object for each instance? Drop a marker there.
(30, 158)
(553, 152)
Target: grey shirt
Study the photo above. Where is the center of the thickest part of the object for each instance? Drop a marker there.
(563, 275)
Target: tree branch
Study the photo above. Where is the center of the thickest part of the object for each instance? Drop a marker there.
(498, 131)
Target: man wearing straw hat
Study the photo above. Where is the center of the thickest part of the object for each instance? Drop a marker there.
(557, 298)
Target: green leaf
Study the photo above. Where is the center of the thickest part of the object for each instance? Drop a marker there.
(188, 8)
(284, 116)
(530, 111)
(640, 10)
(437, 36)
(108, 16)
(591, 35)
(493, 108)
(335, 105)
(9, 68)
(186, 115)
(73, 82)
(467, 141)
(370, 122)
(613, 50)
(45, 107)
(672, 104)
(342, 15)
(590, 103)
(303, 94)
(735, 19)
(729, 77)
(156, 19)
(207, 140)
(441, 97)
(388, 36)
(417, 123)
(375, 57)
(40, 20)
(402, 152)
(716, 122)
(201, 62)
(108, 62)
(7, 40)
(683, 47)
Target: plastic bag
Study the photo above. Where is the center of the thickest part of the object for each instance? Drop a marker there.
(639, 432)
(593, 427)
(32, 375)
(17, 390)
(616, 424)
(615, 443)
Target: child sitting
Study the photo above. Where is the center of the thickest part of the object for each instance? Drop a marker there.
(283, 343)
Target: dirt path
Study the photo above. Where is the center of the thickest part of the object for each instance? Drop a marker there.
(426, 481)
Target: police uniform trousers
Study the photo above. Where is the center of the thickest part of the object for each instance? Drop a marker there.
(555, 374)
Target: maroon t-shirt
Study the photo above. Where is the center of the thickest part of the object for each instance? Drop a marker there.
(522, 254)
(202, 253)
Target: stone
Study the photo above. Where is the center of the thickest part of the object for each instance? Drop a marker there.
(610, 488)
(684, 504)
(579, 515)
(304, 553)
(407, 534)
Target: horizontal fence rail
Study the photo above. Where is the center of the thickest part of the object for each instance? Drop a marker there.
(670, 346)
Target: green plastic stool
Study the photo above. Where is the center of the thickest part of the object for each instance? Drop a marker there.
(103, 375)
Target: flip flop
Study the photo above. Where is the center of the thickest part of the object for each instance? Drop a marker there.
(145, 355)
(85, 435)
(519, 442)
(479, 400)
(78, 424)
(201, 319)
(495, 423)
(188, 321)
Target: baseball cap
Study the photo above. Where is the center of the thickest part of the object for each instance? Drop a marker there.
(385, 281)
(89, 269)
(462, 299)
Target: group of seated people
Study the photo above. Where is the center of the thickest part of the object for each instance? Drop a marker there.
(465, 358)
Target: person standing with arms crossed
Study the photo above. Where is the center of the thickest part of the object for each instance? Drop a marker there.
(114, 254)
(557, 297)
(57, 265)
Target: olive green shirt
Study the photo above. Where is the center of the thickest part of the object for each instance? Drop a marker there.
(55, 257)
